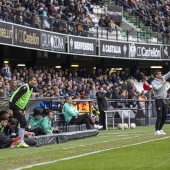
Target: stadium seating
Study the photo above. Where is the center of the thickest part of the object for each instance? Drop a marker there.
(148, 17)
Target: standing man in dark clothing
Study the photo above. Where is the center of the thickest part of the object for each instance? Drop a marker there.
(17, 105)
(159, 86)
(102, 104)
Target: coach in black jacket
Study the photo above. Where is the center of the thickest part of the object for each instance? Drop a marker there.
(102, 104)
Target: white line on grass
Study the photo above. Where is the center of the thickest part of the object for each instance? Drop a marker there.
(122, 133)
(86, 154)
(103, 141)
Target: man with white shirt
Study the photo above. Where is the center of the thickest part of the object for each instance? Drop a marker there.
(159, 87)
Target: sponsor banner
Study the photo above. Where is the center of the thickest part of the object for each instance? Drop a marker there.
(115, 12)
(6, 33)
(114, 49)
(144, 51)
(81, 45)
(26, 37)
(166, 52)
(52, 41)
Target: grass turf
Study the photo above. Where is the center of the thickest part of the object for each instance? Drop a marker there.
(144, 156)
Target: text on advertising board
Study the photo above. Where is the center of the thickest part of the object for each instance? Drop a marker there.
(81, 45)
(113, 49)
(6, 33)
(166, 52)
(26, 37)
(77, 45)
(23, 36)
(52, 41)
(144, 51)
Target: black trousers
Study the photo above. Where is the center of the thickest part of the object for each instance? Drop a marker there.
(38, 131)
(5, 141)
(80, 119)
(102, 119)
(17, 113)
(161, 108)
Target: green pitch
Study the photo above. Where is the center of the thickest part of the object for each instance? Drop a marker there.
(132, 149)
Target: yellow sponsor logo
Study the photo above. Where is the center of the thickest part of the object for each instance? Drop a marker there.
(27, 38)
(5, 33)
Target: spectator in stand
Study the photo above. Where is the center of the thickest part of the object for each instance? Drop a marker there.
(20, 18)
(151, 78)
(115, 79)
(62, 90)
(124, 75)
(93, 92)
(52, 11)
(7, 13)
(112, 25)
(73, 91)
(162, 27)
(142, 102)
(131, 103)
(115, 95)
(108, 91)
(6, 69)
(27, 17)
(165, 12)
(101, 22)
(167, 21)
(36, 22)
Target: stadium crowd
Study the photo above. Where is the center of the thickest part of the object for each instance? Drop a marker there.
(54, 82)
(76, 17)
(68, 16)
(154, 14)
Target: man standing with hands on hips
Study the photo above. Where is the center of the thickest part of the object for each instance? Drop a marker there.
(17, 105)
(159, 87)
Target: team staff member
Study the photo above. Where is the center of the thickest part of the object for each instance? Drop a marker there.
(6, 141)
(46, 123)
(159, 86)
(17, 105)
(102, 104)
(72, 116)
(33, 124)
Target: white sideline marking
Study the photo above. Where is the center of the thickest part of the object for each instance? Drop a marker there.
(103, 142)
(90, 153)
